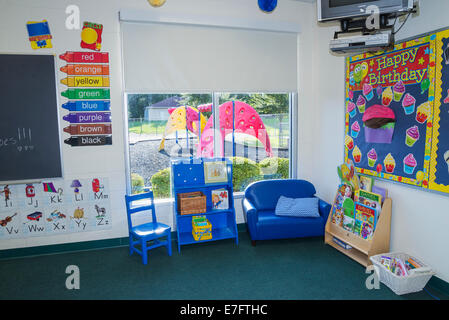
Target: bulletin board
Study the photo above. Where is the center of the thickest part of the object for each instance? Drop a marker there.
(397, 106)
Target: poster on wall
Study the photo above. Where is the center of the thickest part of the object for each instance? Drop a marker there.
(389, 103)
(89, 115)
(396, 108)
(54, 207)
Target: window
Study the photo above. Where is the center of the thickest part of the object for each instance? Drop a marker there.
(250, 73)
(259, 139)
(254, 130)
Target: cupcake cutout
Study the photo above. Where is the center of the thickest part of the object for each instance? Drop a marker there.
(357, 155)
(355, 129)
(372, 158)
(361, 103)
(349, 142)
(387, 97)
(368, 91)
(398, 91)
(351, 109)
(408, 104)
(409, 164)
(379, 124)
(423, 112)
(411, 136)
(389, 163)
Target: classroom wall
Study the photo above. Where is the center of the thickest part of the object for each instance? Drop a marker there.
(83, 162)
(420, 219)
(109, 161)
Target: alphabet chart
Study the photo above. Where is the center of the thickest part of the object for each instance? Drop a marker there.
(54, 207)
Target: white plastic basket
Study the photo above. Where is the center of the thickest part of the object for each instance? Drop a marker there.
(415, 281)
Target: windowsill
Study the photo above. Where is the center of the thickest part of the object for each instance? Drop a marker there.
(239, 195)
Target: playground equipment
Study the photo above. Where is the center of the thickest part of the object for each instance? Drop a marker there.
(235, 117)
(182, 118)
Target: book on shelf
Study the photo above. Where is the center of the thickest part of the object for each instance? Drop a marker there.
(342, 244)
(366, 183)
(220, 199)
(348, 215)
(344, 192)
(380, 191)
(369, 199)
(365, 221)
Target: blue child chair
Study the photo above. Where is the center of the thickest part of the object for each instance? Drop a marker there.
(143, 233)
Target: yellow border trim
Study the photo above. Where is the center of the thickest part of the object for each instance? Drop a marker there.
(436, 117)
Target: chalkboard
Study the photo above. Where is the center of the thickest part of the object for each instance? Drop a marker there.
(29, 129)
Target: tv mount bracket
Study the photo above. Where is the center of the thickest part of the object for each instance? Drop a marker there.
(359, 25)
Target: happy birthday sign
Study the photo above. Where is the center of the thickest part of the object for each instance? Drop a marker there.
(394, 104)
(408, 66)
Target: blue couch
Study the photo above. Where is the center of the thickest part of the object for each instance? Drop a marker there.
(259, 204)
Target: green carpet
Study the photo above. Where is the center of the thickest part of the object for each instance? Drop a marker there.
(278, 269)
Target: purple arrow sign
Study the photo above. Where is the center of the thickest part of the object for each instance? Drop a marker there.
(88, 117)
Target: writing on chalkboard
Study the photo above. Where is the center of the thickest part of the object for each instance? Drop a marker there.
(4, 142)
(22, 140)
(24, 134)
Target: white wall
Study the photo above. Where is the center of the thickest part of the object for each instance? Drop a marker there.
(109, 161)
(84, 162)
(420, 220)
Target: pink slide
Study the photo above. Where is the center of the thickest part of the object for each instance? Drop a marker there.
(247, 121)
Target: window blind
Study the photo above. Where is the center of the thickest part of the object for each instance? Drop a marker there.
(160, 57)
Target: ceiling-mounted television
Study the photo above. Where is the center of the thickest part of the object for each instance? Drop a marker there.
(329, 10)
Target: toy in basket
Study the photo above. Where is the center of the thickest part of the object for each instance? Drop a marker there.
(201, 228)
(401, 272)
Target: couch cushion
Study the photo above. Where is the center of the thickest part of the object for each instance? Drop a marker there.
(297, 207)
(271, 226)
(264, 195)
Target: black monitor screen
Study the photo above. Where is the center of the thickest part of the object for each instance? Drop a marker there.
(341, 3)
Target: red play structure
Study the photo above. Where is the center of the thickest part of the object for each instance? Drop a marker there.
(235, 117)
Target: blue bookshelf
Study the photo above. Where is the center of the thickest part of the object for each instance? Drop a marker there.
(187, 175)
